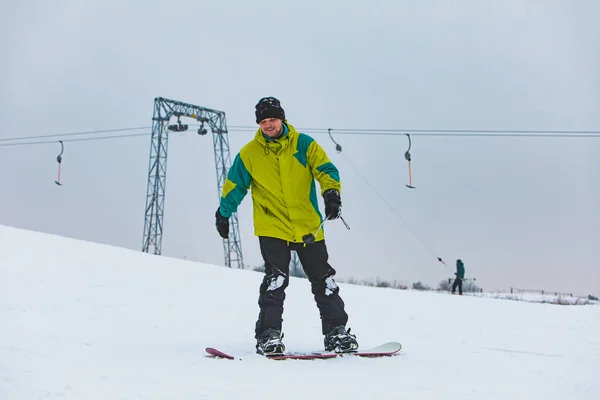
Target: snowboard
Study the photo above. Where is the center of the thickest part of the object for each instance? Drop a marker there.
(383, 350)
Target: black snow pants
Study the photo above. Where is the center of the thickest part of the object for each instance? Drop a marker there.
(313, 257)
(457, 283)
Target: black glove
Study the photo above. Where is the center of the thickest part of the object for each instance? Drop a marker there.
(333, 204)
(222, 224)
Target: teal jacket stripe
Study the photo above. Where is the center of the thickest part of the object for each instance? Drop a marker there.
(304, 142)
(313, 199)
(331, 170)
(240, 177)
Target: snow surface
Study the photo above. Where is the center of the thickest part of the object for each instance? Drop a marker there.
(81, 320)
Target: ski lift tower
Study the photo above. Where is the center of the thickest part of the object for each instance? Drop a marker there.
(164, 110)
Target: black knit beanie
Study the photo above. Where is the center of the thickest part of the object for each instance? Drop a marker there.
(269, 107)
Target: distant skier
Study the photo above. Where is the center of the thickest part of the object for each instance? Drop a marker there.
(460, 275)
(280, 165)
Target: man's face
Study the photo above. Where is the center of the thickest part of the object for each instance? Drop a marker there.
(272, 127)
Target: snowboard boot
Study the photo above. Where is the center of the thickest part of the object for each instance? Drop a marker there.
(269, 343)
(340, 341)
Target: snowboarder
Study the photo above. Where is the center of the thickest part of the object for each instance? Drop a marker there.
(280, 165)
(460, 275)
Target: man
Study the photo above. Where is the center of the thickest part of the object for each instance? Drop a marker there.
(460, 275)
(280, 165)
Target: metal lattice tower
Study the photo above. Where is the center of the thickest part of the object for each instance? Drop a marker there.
(164, 109)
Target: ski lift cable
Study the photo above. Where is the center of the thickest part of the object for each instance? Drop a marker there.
(442, 132)
(370, 132)
(76, 140)
(74, 133)
(394, 210)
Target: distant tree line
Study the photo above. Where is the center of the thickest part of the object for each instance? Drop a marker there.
(445, 285)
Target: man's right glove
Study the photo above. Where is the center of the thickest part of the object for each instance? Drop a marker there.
(222, 224)
(333, 203)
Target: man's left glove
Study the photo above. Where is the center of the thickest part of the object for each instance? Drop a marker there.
(333, 203)
(222, 224)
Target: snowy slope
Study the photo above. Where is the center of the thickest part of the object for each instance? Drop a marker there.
(81, 320)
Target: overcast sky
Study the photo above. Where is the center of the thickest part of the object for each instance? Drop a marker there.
(520, 212)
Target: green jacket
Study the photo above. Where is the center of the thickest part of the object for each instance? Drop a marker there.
(281, 173)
